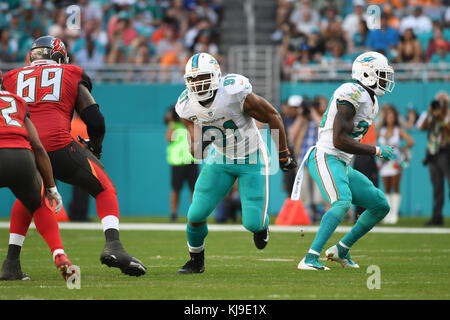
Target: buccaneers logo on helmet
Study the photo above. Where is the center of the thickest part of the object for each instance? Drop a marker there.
(58, 46)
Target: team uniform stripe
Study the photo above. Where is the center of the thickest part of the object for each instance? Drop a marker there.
(334, 184)
(265, 157)
(195, 61)
(325, 176)
(320, 176)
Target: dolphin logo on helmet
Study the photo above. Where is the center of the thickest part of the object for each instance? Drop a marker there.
(372, 69)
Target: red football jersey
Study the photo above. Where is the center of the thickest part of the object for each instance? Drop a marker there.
(50, 91)
(13, 110)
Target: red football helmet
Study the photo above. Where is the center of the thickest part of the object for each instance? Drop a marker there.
(49, 47)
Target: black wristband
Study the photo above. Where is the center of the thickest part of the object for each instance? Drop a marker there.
(283, 154)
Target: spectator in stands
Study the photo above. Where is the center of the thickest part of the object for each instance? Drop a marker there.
(180, 15)
(204, 43)
(336, 56)
(352, 21)
(196, 25)
(148, 14)
(357, 43)
(8, 47)
(442, 54)
(316, 46)
(304, 17)
(384, 39)
(122, 24)
(431, 47)
(435, 10)
(116, 49)
(204, 10)
(409, 48)
(417, 21)
(330, 14)
(88, 49)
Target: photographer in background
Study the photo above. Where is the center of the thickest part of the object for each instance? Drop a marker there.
(303, 135)
(437, 122)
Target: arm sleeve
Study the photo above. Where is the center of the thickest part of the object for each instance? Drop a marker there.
(86, 81)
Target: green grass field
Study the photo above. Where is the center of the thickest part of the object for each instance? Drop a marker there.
(413, 266)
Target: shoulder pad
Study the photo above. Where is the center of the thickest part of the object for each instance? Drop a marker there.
(236, 84)
(181, 106)
(350, 92)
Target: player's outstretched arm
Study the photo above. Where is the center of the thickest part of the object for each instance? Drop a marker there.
(261, 110)
(43, 164)
(342, 130)
(90, 113)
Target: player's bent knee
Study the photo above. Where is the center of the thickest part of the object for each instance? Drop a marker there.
(341, 207)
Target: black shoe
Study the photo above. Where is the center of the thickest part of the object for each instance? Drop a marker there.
(434, 223)
(114, 255)
(173, 218)
(261, 238)
(195, 265)
(11, 270)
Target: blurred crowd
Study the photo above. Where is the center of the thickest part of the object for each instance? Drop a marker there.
(165, 32)
(335, 32)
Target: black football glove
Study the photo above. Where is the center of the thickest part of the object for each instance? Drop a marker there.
(88, 145)
(287, 162)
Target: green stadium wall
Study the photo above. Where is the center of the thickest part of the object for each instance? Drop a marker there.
(134, 151)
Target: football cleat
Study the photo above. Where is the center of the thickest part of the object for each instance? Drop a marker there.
(63, 265)
(261, 238)
(114, 255)
(195, 265)
(341, 256)
(11, 270)
(311, 262)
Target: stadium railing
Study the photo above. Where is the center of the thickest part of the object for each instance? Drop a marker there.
(156, 73)
(340, 72)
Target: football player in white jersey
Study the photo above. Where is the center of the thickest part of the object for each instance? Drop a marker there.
(349, 115)
(223, 110)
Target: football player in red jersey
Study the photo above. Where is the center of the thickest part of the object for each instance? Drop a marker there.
(52, 90)
(22, 155)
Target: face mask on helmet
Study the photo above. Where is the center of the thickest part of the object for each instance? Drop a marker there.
(201, 87)
(373, 71)
(385, 81)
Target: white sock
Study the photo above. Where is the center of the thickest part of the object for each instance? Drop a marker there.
(56, 252)
(16, 239)
(196, 249)
(313, 252)
(110, 222)
(343, 245)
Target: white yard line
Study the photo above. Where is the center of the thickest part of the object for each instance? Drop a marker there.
(220, 227)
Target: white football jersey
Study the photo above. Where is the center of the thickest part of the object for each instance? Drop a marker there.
(355, 96)
(233, 133)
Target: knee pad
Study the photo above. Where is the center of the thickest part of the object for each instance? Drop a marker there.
(381, 206)
(340, 208)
